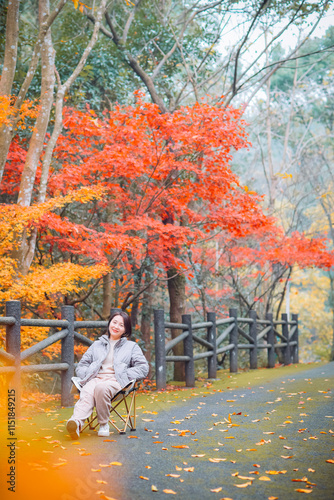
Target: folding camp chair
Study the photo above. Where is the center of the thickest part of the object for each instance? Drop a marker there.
(129, 420)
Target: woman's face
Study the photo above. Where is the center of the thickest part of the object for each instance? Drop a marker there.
(116, 327)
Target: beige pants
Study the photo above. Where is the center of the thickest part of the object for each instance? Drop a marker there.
(97, 392)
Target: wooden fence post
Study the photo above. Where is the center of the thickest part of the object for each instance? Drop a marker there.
(160, 353)
(189, 351)
(285, 333)
(234, 334)
(271, 342)
(211, 337)
(253, 334)
(67, 356)
(13, 346)
(295, 337)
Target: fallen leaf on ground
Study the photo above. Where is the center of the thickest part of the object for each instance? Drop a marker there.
(116, 463)
(330, 461)
(217, 490)
(244, 485)
(217, 460)
(100, 481)
(154, 488)
(143, 477)
(302, 490)
(181, 446)
(172, 475)
(170, 492)
(189, 469)
(264, 478)
(275, 472)
(198, 456)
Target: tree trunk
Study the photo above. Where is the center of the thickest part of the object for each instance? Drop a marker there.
(331, 277)
(146, 315)
(107, 296)
(272, 177)
(8, 72)
(177, 300)
(42, 121)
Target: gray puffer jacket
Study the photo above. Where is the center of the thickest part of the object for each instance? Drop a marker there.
(129, 361)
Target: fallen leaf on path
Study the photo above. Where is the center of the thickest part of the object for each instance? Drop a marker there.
(154, 488)
(189, 469)
(275, 472)
(311, 470)
(330, 461)
(96, 470)
(286, 457)
(217, 490)
(244, 485)
(301, 490)
(198, 456)
(170, 492)
(172, 475)
(143, 477)
(302, 480)
(147, 420)
(180, 446)
(264, 478)
(217, 460)
(116, 463)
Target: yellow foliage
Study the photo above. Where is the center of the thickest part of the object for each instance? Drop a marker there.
(29, 109)
(309, 296)
(41, 282)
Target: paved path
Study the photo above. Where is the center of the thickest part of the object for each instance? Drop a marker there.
(248, 442)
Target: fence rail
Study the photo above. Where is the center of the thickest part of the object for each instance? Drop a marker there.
(261, 334)
(13, 356)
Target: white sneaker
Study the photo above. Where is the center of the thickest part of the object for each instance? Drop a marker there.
(103, 430)
(73, 428)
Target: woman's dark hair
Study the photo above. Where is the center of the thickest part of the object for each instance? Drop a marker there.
(127, 323)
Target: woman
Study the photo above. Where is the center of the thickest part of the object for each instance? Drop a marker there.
(109, 364)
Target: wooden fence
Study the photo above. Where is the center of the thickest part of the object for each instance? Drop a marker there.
(261, 334)
(222, 336)
(67, 334)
